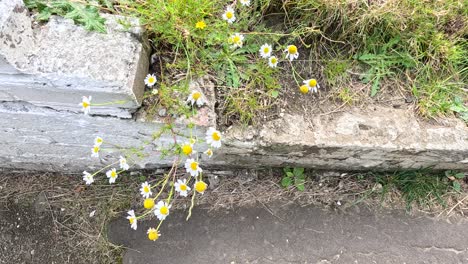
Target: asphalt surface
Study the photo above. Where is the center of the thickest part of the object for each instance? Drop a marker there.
(293, 234)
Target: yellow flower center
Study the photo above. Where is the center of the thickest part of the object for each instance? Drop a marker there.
(209, 152)
(146, 189)
(229, 15)
(292, 49)
(148, 203)
(274, 60)
(85, 104)
(196, 95)
(153, 235)
(151, 80)
(200, 186)
(216, 136)
(164, 210)
(312, 82)
(187, 149)
(183, 187)
(131, 220)
(304, 89)
(194, 165)
(266, 50)
(113, 174)
(236, 39)
(96, 149)
(99, 140)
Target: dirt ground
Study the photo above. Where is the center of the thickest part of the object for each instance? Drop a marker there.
(51, 218)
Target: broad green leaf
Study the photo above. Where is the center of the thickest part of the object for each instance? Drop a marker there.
(286, 182)
(456, 186)
(298, 171)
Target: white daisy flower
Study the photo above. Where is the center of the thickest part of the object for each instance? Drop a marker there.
(86, 104)
(153, 234)
(213, 137)
(187, 148)
(291, 52)
(209, 153)
(196, 97)
(88, 178)
(265, 50)
(154, 91)
(245, 2)
(161, 210)
(95, 151)
(237, 40)
(112, 175)
(98, 141)
(272, 62)
(312, 84)
(181, 187)
(150, 80)
(192, 167)
(145, 190)
(123, 163)
(229, 15)
(132, 219)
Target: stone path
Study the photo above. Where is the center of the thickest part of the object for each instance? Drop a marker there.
(293, 234)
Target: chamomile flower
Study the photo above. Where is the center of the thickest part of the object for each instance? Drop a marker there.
(200, 186)
(98, 141)
(88, 178)
(150, 80)
(291, 52)
(196, 97)
(272, 62)
(200, 24)
(193, 167)
(148, 203)
(209, 153)
(187, 148)
(181, 187)
(112, 175)
(145, 190)
(304, 89)
(237, 40)
(161, 210)
(95, 151)
(213, 137)
(265, 50)
(229, 15)
(245, 2)
(123, 163)
(312, 84)
(132, 219)
(153, 234)
(86, 104)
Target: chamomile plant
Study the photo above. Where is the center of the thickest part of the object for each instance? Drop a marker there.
(225, 33)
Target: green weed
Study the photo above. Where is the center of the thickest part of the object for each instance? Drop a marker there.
(81, 12)
(293, 177)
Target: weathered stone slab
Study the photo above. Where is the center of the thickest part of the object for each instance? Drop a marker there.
(380, 139)
(55, 64)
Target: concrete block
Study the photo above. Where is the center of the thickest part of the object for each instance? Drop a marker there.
(55, 64)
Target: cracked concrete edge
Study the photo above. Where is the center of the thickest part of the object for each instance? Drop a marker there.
(388, 139)
(59, 61)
